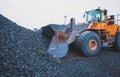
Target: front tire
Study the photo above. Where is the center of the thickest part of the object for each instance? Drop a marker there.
(117, 41)
(89, 43)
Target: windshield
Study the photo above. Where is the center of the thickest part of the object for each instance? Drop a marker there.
(94, 16)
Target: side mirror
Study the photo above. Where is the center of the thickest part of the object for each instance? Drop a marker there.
(86, 12)
(105, 12)
(84, 15)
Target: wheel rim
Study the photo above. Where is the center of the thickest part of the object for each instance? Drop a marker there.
(92, 45)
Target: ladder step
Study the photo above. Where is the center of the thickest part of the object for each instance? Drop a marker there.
(108, 44)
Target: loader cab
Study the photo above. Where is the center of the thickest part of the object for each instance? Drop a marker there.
(96, 15)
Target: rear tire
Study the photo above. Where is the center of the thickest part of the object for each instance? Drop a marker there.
(117, 41)
(89, 43)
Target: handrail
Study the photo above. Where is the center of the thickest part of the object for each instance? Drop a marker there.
(118, 19)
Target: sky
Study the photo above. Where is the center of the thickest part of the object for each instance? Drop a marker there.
(38, 13)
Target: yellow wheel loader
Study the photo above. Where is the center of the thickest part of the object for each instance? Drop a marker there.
(100, 30)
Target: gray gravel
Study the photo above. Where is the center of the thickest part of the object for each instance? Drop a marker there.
(23, 53)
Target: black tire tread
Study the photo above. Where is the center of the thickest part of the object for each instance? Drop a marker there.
(81, 40)
(117, 41)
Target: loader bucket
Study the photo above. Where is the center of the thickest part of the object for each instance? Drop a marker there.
(58, 50)
(58, 47)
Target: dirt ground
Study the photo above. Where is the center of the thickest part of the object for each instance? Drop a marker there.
(105, 64)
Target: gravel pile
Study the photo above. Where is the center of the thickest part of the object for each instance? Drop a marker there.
(23, 53)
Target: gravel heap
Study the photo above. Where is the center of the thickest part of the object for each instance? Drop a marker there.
(23, 53)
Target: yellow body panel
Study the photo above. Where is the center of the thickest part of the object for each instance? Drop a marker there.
(112, 29)
(96, 26)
